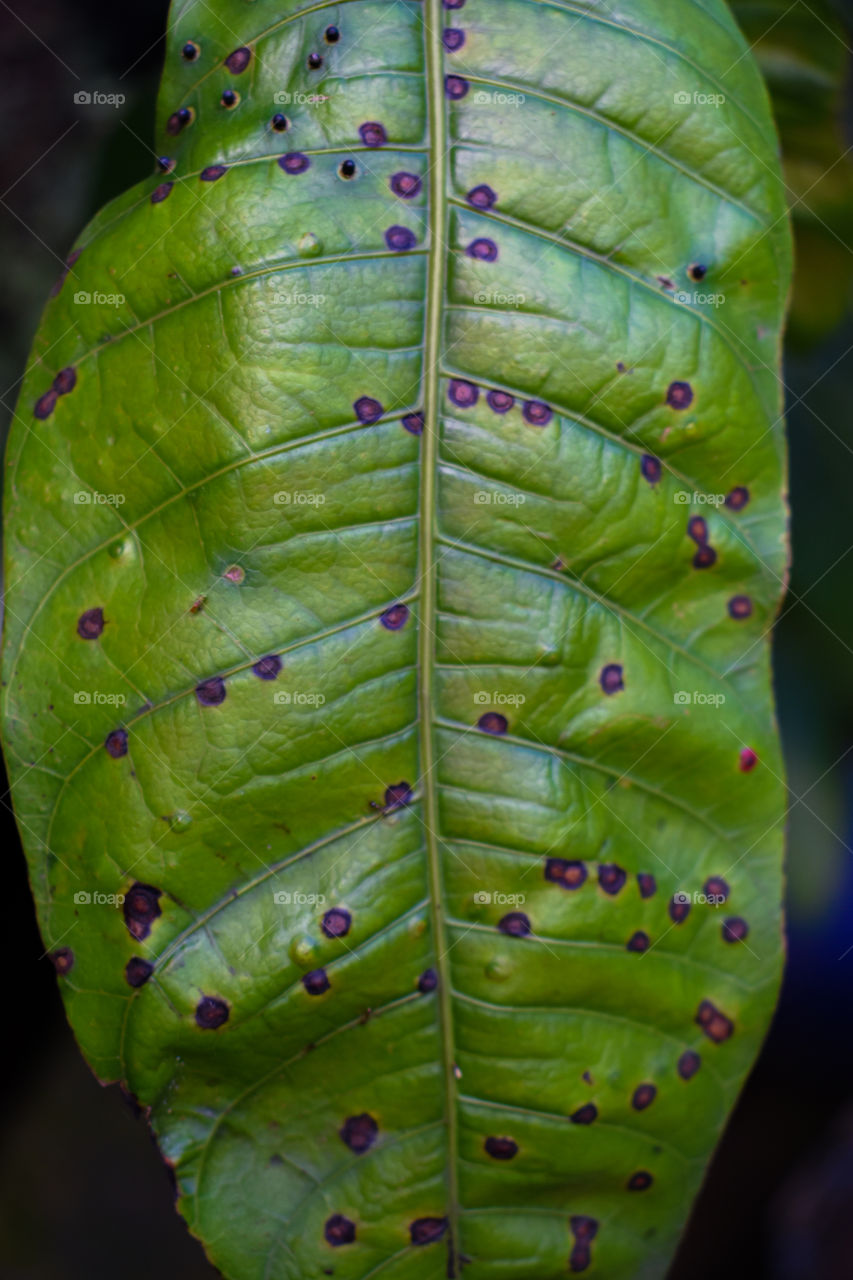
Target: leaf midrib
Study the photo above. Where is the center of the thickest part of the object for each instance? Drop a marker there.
(438, 214)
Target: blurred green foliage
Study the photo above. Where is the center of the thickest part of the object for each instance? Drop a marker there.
(804, 52)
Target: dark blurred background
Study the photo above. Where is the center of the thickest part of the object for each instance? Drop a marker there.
(83, 1192)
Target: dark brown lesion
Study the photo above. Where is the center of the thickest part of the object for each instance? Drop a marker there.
(714, 1023)
(141, 908)
(566, 873)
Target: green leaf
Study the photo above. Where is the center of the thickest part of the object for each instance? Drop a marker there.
(391, 564)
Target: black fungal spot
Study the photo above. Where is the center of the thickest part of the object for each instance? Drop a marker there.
(584, 1230)
(210, 693)
(482, 197)
(294, 162)
(315, 61)
(280, 123)
(229, 99)
(464, 394)
(267, 668)
(141, 907)
(331, 35)
(747, 760)
(740, 607)
(638, 941)
(395, 618)
(679, 908)
(610, 678)
(178, 121)
(116, 743)
(397, 796)
(316, 982)
(737, 499)
(454, 4)
(501, 1148)
(493, 722)
(46, 404)
(161, 192)
(580, 1257)
(456, 87)
(400, 238)
(500, 401)
(65, 381)
(62, 960)
(679, 395)
(565, 873)
(359, 1133)
(537, 413)
(650, 468)
(427, 982)
(414, 423)
(717, 889)
(190, 51)
(90, 624)
(611, 878)
(640, 1181)
(137, 971)
(647, 884)
(427, 1230)
(688, 1064)
(336, 922)
(165, 164)
(406, 185)
(339, 1230)
(697, 529)
(515, 925)
(367, 409)
(483, 249)
(697, 271)
(714, 1023)
(644, 1096)
(453, 38)
(238, 61)
(704, 558)
(213, 172)
(735, 929)
(585, 1114)
(373, 134)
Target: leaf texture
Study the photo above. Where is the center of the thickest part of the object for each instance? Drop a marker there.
(394, 530)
